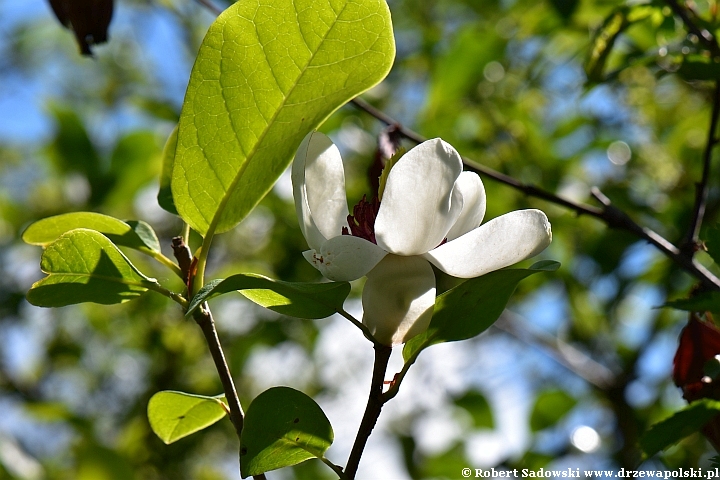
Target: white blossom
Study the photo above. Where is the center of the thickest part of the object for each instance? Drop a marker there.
(430, 212)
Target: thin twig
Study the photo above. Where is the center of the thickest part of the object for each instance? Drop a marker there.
(689, 246)
(366, 331)
(472, 165)
(562, 352)
(372, 411)
(609, 214)
(616, 218)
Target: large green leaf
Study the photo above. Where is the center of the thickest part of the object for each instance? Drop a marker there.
(267, 73)
(136, 234)
(283, 427)
(174, 415)
(85, 266)
(301, 300)
(470, 308)
(550, 406)
(681, 424)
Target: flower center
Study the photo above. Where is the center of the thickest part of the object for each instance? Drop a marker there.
(362, 221)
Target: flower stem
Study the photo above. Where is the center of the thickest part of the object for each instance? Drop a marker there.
(358, 324)
(164, 261)
(372, 411)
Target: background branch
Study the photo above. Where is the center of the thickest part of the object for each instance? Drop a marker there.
(612, 216)
(703, 35)
(689, 246)
(210, 6)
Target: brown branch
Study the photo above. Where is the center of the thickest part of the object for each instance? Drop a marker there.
(611, 215)
(616, 218)
(205, 320)
(691, 243)
(372, 411)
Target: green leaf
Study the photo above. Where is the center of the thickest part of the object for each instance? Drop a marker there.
(478, 407)
(133, 234)
(133, 164)
(681, 424)
(604, 39)
(549, 408)
(145, 233)
(174, 415)
(301, 300)
(85, 266)
(703, 302)
(470, 308)
(565, 8)
(72, 150)
(164, 196)
(712, 243)
(697, 67)
(265, 76)
(283, 427)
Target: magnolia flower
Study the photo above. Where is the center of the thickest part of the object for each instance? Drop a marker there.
(429, 213)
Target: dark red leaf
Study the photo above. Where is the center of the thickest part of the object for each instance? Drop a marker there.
(89, 20)
(699, 342)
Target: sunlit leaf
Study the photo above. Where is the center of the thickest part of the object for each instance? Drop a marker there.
(85, 266)
(470, 308)
(549, 408)
(174, 415)
(302, 300)
(267, 74)
(283, 427)
(681, 424)
(133, 234)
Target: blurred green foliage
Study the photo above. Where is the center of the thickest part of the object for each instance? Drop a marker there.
(505, 83)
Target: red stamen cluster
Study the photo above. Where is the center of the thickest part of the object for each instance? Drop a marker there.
(362, 221)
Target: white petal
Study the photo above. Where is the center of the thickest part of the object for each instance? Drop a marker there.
(345, 258)
(417, 211)
(473, 211)
(499, 243)
(398, 299)
(319, 189)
